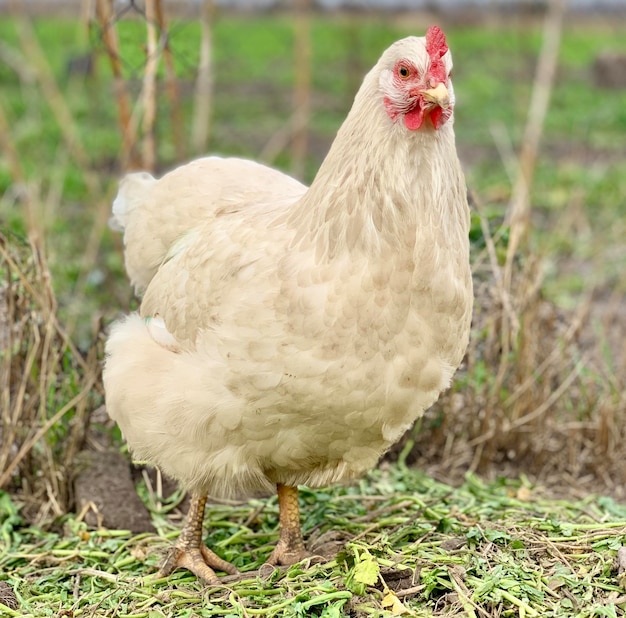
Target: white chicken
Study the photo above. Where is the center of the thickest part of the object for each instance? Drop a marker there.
(289, 335)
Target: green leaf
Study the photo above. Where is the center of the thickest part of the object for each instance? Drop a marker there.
(474, 535)
(496, 536)
(605, 610)
(367, 571)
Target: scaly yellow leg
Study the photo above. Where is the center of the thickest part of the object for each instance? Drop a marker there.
(190, 553)
(290, 547)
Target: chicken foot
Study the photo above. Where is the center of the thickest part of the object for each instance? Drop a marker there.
(290, 547)
(190, 553)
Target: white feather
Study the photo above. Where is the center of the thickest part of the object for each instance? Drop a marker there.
(293, 334)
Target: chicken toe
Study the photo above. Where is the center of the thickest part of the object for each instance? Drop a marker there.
(285, 554)
(190, 553)
(290, 547)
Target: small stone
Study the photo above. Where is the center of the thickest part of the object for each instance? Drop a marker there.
(7, 596)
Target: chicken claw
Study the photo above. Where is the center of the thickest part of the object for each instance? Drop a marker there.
(190, 553)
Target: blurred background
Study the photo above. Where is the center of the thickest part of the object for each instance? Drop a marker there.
(89, 90)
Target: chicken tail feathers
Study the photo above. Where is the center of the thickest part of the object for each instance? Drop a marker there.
(132, 191)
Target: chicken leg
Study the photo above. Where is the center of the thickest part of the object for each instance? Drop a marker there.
(290, 547)
(190, 553)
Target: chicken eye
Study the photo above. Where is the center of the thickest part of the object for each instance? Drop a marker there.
(404, 72)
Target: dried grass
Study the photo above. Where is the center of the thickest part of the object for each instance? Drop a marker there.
(47, 385)
(552, 404)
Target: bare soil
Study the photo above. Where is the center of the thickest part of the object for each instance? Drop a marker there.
(105, 492)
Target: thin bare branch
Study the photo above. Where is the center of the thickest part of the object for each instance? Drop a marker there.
(519, 208)
(204, 83)
(171, 85)
(149, 93)
(302, 87)
(104, 12)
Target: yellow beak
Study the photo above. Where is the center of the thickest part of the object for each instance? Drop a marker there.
(438, 95)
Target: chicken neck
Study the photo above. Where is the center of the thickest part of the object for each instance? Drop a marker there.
(378, 184)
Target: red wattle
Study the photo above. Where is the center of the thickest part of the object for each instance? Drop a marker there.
(436, 117)
(414, 118)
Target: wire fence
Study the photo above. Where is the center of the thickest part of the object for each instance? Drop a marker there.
(157, 56)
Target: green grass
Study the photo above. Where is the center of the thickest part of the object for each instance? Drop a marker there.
(498, 549)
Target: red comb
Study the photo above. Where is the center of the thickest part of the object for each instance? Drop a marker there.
(436, 45)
